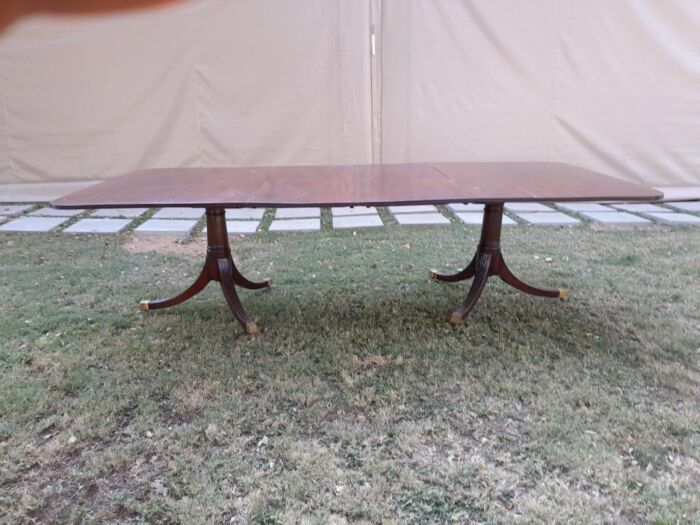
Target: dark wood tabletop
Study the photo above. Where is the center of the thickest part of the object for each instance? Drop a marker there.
(381, 185)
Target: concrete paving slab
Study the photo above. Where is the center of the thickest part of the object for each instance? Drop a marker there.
(423, 208)
(477, 218)
(240, 226)
(297, 213)
(172, 227)
(527, 207)
(406, 219)
(673, 218)
(2, 218)
(459, 207)
(578, 207)
(295, 225)
(9, 210)
(616, 218)
(641, 207)
(51, 212)
(98, 226)
(33, 224)
(357, 221)
(548, 219)
(245, 213)
(129, 213)
(693, 207)
(179, 213)
(350, 211)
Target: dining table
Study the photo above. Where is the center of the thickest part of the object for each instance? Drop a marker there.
(489, 183)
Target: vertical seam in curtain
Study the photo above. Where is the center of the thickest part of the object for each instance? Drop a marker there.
(378, 55)
(196, 78)
(375, 74)
(553, 154)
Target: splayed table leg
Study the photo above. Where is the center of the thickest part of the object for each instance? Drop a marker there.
(218, 266)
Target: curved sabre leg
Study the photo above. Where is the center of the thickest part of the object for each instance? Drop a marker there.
(507, 276)
(229, 290)
(483, 266)
(240, 280)
(194, 289)
(462, 275)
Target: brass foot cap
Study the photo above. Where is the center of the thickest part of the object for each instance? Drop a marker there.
(433, 274)
(456, 318)
(143, 305)
(251, 328)
(563, 294)
(268, 282)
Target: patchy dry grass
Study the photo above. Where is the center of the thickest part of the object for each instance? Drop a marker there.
(357, 402)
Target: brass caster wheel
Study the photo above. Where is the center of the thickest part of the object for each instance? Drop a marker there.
(456, 318)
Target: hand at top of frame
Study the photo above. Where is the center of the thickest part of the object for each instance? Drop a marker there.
(12, 10)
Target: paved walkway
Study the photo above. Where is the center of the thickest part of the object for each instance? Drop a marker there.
(184, 222)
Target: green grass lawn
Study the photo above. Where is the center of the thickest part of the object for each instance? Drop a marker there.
(358, 402)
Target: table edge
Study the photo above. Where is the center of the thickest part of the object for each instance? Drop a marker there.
(327, 204)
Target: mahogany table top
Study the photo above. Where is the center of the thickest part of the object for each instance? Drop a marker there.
(380, 185)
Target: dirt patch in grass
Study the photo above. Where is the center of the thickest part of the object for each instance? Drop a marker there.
(164, 245)
(167, 245)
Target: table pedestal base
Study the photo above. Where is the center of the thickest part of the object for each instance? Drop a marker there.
(489, 261)
(218, 266)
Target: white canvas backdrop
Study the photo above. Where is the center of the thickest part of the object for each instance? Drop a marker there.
(200, 83)
(612, 86)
